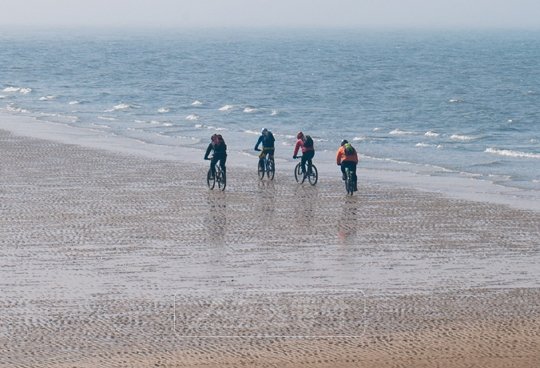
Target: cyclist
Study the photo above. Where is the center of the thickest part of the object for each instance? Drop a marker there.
(347, 157)
(308, 151)
(267, 140)
(217, 144)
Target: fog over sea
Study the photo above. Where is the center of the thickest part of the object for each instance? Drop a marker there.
(451, 105)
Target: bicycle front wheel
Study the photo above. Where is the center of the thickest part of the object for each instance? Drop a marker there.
(261, 169)
(210, 180)
(298, 173)
(313, 176)
(271, 169)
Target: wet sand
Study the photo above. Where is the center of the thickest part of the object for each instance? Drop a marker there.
(110, 260)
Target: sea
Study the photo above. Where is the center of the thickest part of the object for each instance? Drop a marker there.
(433, 104)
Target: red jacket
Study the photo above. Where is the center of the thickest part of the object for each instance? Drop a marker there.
(300, 143)
(341, 156)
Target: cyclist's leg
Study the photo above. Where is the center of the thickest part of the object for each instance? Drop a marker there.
(343, 175)
(222, 161)
(213, 165)
(303, 163)
(261, 158)
(309, 156)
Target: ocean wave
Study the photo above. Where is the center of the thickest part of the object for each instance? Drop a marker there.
(21, 90)
(120, 107)
(14, 108)
(460, 137)
(252, 132)
(47, 98)
(106, 118)
(196, 103)
(400, 132)
(163, 110)
(359, 139)
(431, 134)
(424, 145)
(2, 96)
(74, 102)
(226, 108)
(192, 117)
(274, 112)
(455, 100)
(249, 110)
(511, 153)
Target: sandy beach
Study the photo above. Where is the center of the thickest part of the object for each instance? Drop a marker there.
(114, 260)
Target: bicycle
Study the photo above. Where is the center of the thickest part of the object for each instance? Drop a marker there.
(311, 174)
(268, 167)
(219, 179)
(349, 181)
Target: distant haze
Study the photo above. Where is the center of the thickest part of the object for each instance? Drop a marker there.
(273, 13)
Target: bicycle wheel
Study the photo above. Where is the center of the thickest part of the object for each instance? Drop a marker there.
(220, 178)
(313, 176)
(261, 169)
(210, 180)
(271, 170)
(349, 185)
(298, 173)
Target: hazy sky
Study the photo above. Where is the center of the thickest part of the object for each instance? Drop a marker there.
(273, 13)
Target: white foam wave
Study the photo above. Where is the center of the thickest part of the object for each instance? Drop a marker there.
(25, 91)
(455, 100)
(47, 98)
(192, 117)
(252, 132)
(377, 129)
(459, 137)
(13, 108)
(196, 103)
(358, 139)
(2, 96)
(199, 126)
(106, 118)
(249, 110)
(120, 107)
(424, 145)
(274, 112)
(431, 134)
(511, 153)
(11, 89)
(400, 132)
(163, 110)
(226, 108)
(74, 102)
(166, 124)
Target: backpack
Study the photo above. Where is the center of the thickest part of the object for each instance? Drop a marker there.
(308, 142)
(349, 150)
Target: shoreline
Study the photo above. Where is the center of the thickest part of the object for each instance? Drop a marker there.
(466, 188)
(112, 259)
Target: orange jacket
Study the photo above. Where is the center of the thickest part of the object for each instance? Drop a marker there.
(341, 156)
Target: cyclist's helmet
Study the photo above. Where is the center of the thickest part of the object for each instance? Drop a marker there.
(300, 135)
(263, 130)
(344, 142)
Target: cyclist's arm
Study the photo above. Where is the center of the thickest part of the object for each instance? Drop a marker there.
(208, 150)
(339, 155)
(259, 141)
(297, 147)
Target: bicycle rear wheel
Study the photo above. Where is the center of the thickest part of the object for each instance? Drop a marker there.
(210, 180)
(221, 178)
(349, 185)
(298, 173)
(313, 176)
(271, 170)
